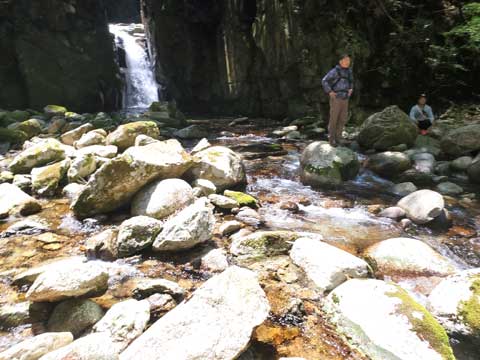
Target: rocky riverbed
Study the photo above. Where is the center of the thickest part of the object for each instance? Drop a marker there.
(243, 238)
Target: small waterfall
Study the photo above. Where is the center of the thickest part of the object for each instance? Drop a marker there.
(141, 87)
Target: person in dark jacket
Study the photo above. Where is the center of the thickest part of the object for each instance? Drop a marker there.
(338, 84)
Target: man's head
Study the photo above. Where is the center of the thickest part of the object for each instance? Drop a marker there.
(345, 61)
(422, 99)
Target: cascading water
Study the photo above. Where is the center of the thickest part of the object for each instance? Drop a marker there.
(141, 87)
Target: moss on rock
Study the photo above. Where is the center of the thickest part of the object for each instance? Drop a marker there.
(469, 310)
(242, 198)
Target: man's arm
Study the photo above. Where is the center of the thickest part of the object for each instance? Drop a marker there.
(327, 79)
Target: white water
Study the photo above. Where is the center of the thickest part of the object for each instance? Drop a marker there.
(141, 89)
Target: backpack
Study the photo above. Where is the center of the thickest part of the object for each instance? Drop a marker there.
(340, 77)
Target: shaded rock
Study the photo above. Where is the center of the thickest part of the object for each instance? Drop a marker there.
(146, 287)
(31, 127)
(103, 245)
(461, 141)
(428, 144)
(215, 260)
(326, 265)
(14, 315)
(203, 187)
(160, 304)
(136, 234)
(461, 163)
(327, 166)
(201, 145)
(74, 316)
(393, 212)
(191, 132)
(56, 125)
(37, 155)
(46, 180)
(82, 167)
(124, 136)
(34, 348)
(419, 178)
(217, 322)
(72, 190)
(54, 110)
(30, 226)
(6, 176)
(71, 136)
(474, 170)
(409, 257)
(422, 206)
(14, 200)
(449, 188)
(389, 164)
(162, 198)
(190, 227)
(229, 227)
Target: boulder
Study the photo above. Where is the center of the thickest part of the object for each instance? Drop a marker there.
(221, 166)
(31, 127)
(103, 245)
(136, 234)
(408, 257)
(216, 323)
(124, 136)
(12, 136)
(389, 164)
(71, 136)
(191, 226)
(215, 260)
(14, 315)
(461, 141)
(326, 166)
(427, 144)
(81, 168)
(263, 244)
(191, 132)
(54, 110)
(419, 178)
(74, 316)
(56, 125)
(404, 189)
(14, 200)
(43, 153)
(146, 287)
(46, 180)
(241, 198)
(388, 128)
(35, 347)
(474, 170)
(162, 198)
(118, 180)
(385, 323)
(449, 188)
(422, 206)
(102, 151)
(326, 265)
(462, 163)
(70, 281)
(203, 187)
(94, 137)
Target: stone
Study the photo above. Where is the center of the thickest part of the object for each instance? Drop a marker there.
(136, 234)
(102, 120)
(474, 170)
(74, 316)
(404, 189)
(419, 178)
(102, 151)
(215, 260)
(71, 136)
(249, 216)
(326, 265)
(31, 127)
(223, 202)
(13, 315)
(118, 180)
(14, 200)
(217, 322)
(388, 128)
(93, 137)
(229, 227)
(222, 166)
(70, 281)
(6, 176)
(162, 198)
(393, 212)
(191, 132)
(242, 199)
(449, 188)
(146, 287)
(37, 155)
(35, 347)
(72, 190)
(424, 163)
(142, 140)
(263, 244)
(461, 141)
(103, 245)
(54, 110)
(81, 168)
(455, 302)
(427, 144)
(384, 323)
(409, 257)
(56, 125)
(124, 136)
(47, 179)
(201, 145)
(203, 187)
(389, 164)
(124, 321)
(422, 206)
(462, 163)
(326, 166)
(190, 227)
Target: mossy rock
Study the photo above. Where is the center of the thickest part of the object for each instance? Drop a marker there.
(54, 110)
(124, 136)
(31, 127)
(18, 115)
(12, 136)
(241, 198)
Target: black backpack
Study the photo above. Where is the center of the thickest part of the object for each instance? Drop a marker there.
(340, 77)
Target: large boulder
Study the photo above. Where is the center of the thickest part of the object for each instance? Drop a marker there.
(119, 179)
(31, 127)
(82, 167)
(136, 234)
(191, 226)
(408, 257)
(326, 166)
(389, 164)
(422, 206)
(73, 135)
(326, 265)
(385, 323)
(14, 200)
(474, 170)
(94, 137)
(215, 324)
(124, 136)
(461, 141)
(222, 166)
(162, 198)
(386, 129)
(43, 153)
(455, 302)
(36, 347)
(46, 179)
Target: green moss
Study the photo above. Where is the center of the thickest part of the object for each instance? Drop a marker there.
(469, 310)
(427, 328)
(55, 109)
(270, 243)
(242, 198)
(12, 136)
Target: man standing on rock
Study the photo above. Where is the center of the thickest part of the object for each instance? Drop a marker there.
(338, 84)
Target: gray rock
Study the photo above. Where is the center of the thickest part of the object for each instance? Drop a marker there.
(424, 163)
(146, 287)
(203, 187)
(191, 132)
(72, 190)
(14, 315)
(449, 188)
(389, 164)
(201, 145)
(94, 137)
(34, 348)
(71, 136)
(136, 234)
(14, 200)
(229, 227)
(142, 140)
(46, 180)
(104, 151)
(461, 163)
(393, 212)
(37, 155)
(82, 167)
(124, 136)
(263, 244)
(103, 245)
(223, 202)
(422, 206)
(461, 141)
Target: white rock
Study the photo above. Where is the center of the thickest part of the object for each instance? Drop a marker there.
(204, 187)
(136, 234)
(82, 167)
(215, 260)
(91, 138)
(13, 200)
(34, 348)
(201, 145)
(229, 227)
(422, 206)
(73, 135)
(72, 190)
(222, 202)
(106, 151)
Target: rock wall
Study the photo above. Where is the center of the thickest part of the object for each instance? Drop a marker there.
(59, 52)
(123, 11)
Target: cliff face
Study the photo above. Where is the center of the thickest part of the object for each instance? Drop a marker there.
(57, 52)
(267, 57)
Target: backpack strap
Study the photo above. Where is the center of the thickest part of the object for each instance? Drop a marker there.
(340, 77)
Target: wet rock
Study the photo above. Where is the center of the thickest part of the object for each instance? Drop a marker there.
(46, 180)
(70, 281)
(393, 212)
(285, 130)
(146, 287)
(103, 151)
(290, 206)
(74, 316)
(388, 128)
(223, 202)
(389, 164)
(37, 155)
(424, 163)
(201, 145)
(215, 260)
(71, 136)
(190, 227)
(422, 206)
(221, 166)
(326, 265)
(242, 199)
(124, 322)
(455, 302)
(162, 198)
(103, 245)
(216, 323)
(474, 170)
(385, 323)
(419, 178)
(97, 346)
(409, 257)
(249, 216)
(82, 167)
(327, 166)
(94, 137)
(14, 200)
(29, 226)
(449, 188)
(136, 234)
(263, 244)
(160, 304)
(461, 141)
(427, 144)
(124, 136)
(72, 190)
(191, 132)
(118, 180)
(461, 163)
(14, 315)
(203, 187)
(229, 227)
(34, 348)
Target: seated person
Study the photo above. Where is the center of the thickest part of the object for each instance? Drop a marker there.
(422, 114)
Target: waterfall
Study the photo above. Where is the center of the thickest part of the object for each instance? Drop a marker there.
(141, 87)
